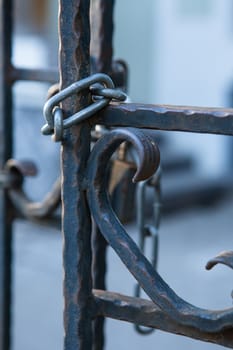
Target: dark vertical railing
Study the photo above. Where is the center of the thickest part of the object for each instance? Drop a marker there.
(101, 52)
(99, 282)
(74, 65)
(102, 34)
(6, 7)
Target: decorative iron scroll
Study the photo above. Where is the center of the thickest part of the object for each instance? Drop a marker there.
(175, 308)
(15, 172)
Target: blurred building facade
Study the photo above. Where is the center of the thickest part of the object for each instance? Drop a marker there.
(180, 52)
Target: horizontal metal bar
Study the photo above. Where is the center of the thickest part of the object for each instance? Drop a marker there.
(41, 75)
(146, 313)
(117, 74)
(161, 117)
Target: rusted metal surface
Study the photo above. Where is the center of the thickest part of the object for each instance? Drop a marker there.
(101, 50)
(146, 313)
(101, 47)
(76, 225)
(161, 294)
(99, 270)
(173, 118)
(102, 33)
(6, 10)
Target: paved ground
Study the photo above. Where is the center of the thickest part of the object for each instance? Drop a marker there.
(187, 241)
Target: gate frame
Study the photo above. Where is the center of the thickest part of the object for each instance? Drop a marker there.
(83, 192)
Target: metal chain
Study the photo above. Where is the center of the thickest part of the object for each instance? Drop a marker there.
(148, 231)
(103, 92)
(99, 91)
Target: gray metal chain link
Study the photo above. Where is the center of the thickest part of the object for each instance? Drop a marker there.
(147, 231)
(102, 89)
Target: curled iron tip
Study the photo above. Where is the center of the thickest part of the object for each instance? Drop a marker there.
(148, 162)
(148, 154)
(18, 170)
(24, 167)
(225, 258)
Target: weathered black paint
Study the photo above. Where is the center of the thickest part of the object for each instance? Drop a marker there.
(6, 9)
(146, 313)
(172, 118)
(76, 223)
(160, 293)
(101, 49)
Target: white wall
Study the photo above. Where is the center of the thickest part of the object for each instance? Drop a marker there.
(135, 41)
(180, 52)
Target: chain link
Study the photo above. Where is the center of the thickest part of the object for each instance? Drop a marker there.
(102, 89)
(99, 91)
(147, 231)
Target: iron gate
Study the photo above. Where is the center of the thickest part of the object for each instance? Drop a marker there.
(71, 115)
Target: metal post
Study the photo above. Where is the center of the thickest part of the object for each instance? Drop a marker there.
(6, 7)
(101, 52)
(74, 65)
(99, 267)
(102, 33)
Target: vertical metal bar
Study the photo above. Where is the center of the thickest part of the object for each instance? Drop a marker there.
(102, 33)
(101, 51)
(99, 268)
(74, 65)
(6, 8)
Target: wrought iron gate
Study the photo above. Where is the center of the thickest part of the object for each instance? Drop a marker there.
(70, 115)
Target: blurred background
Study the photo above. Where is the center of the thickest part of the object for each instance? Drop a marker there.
(178, 52)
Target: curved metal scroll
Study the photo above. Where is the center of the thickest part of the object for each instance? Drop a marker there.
(225, 258)
(21, 202)
(155, 287)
